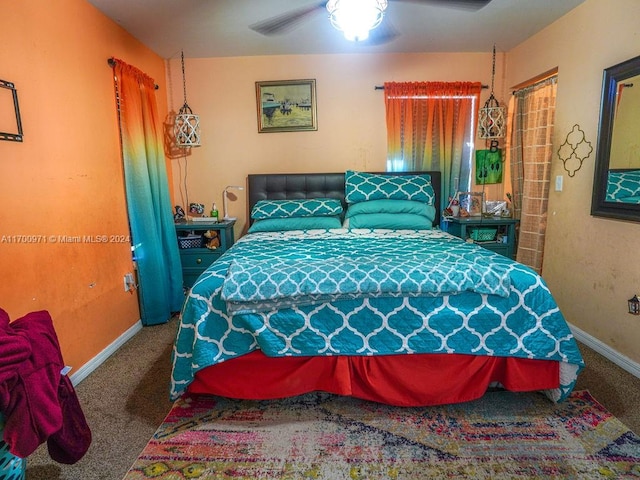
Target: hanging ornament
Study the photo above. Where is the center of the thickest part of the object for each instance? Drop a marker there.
(187, 125)
(492, 122)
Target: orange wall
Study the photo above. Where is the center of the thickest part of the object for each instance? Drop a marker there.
(351, 120)
(65, 179)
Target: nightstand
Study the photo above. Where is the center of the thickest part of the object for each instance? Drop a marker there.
(195, 257)
(503, 241)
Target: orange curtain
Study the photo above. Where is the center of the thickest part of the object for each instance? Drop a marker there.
(148, 202)
(532, 114)
(431, 126)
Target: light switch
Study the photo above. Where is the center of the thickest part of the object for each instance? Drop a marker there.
(559, 179)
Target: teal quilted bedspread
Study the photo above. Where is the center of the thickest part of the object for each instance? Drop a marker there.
(264, 285)
(369, 292)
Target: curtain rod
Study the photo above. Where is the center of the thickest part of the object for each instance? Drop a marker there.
(112, 63)
(535, 80)
(534, 85)
(381, 87)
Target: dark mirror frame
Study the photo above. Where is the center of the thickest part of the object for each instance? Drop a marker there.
(599, 206)
(11, 136)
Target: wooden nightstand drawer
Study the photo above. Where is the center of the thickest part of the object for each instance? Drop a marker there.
(200, 258)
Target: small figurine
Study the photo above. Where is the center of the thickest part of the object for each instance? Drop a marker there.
(179, 216)
(213, 241)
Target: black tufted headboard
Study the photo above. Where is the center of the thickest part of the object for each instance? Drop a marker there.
(285, 186)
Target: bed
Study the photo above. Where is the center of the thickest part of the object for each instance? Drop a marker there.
(407, 315)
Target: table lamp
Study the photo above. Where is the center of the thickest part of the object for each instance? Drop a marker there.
(225, 197)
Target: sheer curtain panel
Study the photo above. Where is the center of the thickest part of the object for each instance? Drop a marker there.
(431, 126)
(532, 113)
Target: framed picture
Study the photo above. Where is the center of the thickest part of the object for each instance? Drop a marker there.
(286, 106)
(472, 202)
(488, 166)
(10, 123)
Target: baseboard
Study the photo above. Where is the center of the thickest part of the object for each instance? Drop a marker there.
(84, 371)
(606, 351)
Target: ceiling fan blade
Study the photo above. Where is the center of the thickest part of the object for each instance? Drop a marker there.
(287, 21)
(459, 4)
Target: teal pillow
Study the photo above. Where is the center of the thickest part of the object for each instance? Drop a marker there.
(315, 207)
(392, 206)
(394, 221)
(294, 223)
(362, 186)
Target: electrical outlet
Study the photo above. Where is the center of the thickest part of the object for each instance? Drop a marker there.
(129, 282)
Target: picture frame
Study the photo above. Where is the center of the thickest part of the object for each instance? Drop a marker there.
(10, 122)
(472, 202)
(286, 106)
(489, 166)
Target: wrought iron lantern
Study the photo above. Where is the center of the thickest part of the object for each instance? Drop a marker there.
(187, 125)
(492, 121)
(634, 305)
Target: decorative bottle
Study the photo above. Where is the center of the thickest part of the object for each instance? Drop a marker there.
(214, 212)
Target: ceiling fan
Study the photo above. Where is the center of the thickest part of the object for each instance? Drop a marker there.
(382, 32)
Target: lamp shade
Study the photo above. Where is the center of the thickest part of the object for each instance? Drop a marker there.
(492, 120)
(186, 128)
(225, 198)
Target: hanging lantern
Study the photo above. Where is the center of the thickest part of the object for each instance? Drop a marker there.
(492, 121)
(187, 125)
(634, 305)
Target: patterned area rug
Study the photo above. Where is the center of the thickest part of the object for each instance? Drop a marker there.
(320, 436)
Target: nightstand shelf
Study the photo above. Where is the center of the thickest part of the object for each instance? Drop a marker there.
(194, 255)
(504, 240)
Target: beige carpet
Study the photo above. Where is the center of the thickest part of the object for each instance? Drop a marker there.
(126, 399)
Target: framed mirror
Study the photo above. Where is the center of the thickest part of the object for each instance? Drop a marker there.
(616, 184)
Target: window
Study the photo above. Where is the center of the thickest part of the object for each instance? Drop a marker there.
(431, 126)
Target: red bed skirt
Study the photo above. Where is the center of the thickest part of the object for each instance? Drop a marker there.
(403, 380)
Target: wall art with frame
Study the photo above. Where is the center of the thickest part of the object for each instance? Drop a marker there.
(286, 106)
(472, 202)
(10, 123)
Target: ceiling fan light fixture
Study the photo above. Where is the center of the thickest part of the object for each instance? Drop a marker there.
(355, 18)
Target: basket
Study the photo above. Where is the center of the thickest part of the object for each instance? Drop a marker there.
(483, 234)
(11, 467)
(190, 241)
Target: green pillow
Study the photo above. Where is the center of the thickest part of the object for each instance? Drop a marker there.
(362, 186)
(314, 207)
(395, 221)
(392, 206)
(294, 223)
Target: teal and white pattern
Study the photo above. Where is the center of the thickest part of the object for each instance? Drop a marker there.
(623, 187)
(260, 286)
(362, 186)
(525, 324)
(316, 207)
